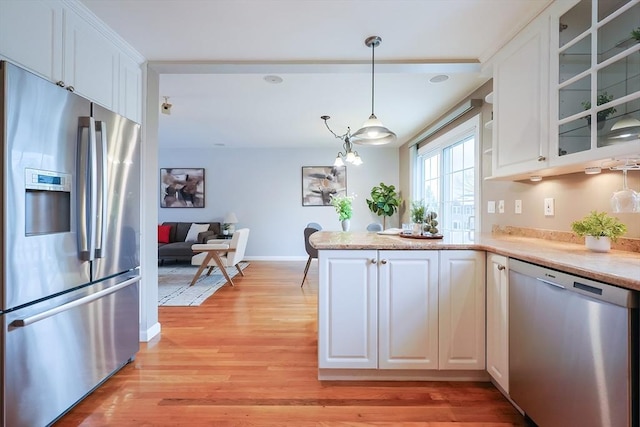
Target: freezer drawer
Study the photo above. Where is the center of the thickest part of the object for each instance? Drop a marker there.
(55, 356)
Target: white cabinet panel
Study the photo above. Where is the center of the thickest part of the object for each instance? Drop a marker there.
(408, 310)
(31, 35)
(498, 319)
(347, 309)
(462, 310)
(521, 103)
(91, 62)
(130, 89)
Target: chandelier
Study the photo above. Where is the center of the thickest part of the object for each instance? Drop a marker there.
(349, 155)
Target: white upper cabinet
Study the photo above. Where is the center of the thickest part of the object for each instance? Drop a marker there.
(595, 81)
(31, 35)
(91, 62)
(521, 97)
(63, 42)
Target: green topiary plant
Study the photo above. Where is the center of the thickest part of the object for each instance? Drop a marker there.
(343, 207)
(384, 201)
(636, 34)
(603, 98)
(417, 211)
(599, 224)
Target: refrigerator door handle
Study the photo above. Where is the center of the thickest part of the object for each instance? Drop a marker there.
(86, 189)
(19, 323)
(101, 183)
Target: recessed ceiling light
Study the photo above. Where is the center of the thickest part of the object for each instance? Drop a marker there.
(439, 78)
(273, 79)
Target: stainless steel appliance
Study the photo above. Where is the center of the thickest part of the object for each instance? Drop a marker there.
(573, 349)
(70, 225)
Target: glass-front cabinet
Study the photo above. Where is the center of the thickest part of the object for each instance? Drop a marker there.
(598, 81)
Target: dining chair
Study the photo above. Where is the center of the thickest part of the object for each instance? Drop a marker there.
(374, 226)
(311, 251)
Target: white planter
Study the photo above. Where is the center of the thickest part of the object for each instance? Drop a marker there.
(597, 244)
(346, 223)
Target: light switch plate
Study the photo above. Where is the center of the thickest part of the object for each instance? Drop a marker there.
(549, 207)
(491, 206)
(501, 206)
(518, 206)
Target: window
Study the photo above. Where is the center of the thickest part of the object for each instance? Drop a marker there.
(447, 179)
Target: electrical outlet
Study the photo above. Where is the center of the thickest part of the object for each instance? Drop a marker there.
(491, 206)
(549, 207)
(501, 206)
(518, 206)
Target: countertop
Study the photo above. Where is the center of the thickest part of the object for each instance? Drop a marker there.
(620, 268)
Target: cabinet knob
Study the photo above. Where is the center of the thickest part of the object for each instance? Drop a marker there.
(60, 83)
(374, 261)
(70, 88)
(541, 158)
(384, 261)
(501, 267)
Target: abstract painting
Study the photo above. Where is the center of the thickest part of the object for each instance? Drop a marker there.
(182, 188)
(319, 183)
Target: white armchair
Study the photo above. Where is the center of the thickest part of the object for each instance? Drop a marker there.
(221, 253)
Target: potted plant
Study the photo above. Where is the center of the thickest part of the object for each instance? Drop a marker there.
(343, 207)
(599, 229)
(417, 214)
(384, 201)
(603, 98)
(636, 34)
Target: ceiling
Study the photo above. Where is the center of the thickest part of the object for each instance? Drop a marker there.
(213, 56)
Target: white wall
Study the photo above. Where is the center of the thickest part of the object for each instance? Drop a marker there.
(264, 189)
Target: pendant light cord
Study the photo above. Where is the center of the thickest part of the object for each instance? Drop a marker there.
(373, 61)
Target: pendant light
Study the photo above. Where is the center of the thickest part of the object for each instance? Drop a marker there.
(373, 132)
(627, 128)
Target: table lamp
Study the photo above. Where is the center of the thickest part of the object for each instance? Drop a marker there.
(229, 223)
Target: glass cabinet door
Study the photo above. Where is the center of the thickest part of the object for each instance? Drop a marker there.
(598, 75)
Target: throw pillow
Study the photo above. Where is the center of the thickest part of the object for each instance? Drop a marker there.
(195, 229)
(163, 233)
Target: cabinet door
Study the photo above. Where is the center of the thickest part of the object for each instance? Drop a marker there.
(91, 61)
(521, 93)
(129, 104)
(31, 35)
(347, 309)
(498, 319)
(408, 309)
(462, 310)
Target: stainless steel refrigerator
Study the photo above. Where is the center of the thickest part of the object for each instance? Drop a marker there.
(70, 228)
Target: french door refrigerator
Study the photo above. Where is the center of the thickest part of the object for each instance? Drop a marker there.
(70, 227)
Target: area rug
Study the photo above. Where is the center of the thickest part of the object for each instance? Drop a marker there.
(174, 284)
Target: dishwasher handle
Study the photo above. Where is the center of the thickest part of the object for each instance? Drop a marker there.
(548, 282)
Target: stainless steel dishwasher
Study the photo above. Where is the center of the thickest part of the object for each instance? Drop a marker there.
(573, 349)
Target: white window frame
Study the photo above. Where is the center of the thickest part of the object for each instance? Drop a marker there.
(469, 128)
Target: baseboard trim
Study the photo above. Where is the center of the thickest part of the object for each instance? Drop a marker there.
(275, 258)
(146, 336)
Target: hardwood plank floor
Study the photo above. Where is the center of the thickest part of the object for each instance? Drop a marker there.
(248, 357)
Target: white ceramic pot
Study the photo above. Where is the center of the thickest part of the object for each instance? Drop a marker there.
(346, 223)
(597, 244)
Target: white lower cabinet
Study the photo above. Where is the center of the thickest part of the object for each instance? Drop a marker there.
(396, 310)
(462, 310)
(498, 319)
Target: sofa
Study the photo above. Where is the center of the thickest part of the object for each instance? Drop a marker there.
(172, 246)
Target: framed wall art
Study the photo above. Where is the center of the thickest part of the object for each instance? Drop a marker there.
(182, 188)
(319, 183)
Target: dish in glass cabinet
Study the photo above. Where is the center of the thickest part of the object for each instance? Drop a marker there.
(426, 236)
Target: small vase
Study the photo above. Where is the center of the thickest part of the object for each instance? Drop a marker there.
(597, 244)
(346, 223)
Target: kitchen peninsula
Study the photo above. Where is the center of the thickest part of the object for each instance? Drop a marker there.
(392, 307)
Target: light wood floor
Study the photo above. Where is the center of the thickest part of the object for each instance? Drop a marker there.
(247, 357)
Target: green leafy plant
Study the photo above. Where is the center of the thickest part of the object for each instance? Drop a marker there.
(417, 211)
(599, 224)
(636, 34)
(603, 98)
(384, 201)
(343, 206)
